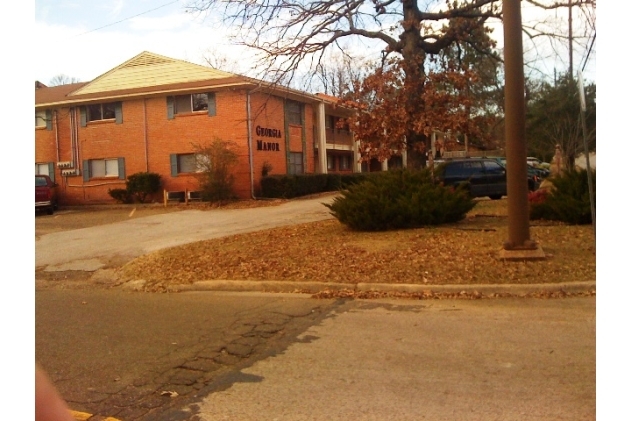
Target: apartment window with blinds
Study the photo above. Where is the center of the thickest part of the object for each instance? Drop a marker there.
(187, 163)
(191, 103)
(345, 162)
(104, 168)
(294, 113)
(110, 111)
(295, 163)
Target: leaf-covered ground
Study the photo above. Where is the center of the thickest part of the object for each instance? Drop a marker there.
(462, 253)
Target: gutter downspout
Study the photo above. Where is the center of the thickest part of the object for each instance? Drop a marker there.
(250, 149)
(144, 109)
(250, 155)
(56, 122)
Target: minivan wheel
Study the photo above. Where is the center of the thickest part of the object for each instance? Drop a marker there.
(495, 197)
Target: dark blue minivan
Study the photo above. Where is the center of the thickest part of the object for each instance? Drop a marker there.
(480, 176)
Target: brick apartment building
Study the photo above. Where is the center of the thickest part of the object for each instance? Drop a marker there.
(148, 113)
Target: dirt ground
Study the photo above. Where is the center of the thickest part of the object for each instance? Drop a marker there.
(461, 253)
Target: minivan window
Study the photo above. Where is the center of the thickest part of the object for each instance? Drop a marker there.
(472, 167)
(493, 167)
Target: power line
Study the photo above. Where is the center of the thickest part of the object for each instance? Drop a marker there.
(123, 20)
(589, 51)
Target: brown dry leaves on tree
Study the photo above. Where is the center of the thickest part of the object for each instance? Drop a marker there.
(464, 253)
(391, 106)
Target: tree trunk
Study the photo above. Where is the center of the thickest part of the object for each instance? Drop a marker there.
(414, 68)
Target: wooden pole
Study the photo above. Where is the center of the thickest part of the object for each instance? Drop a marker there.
(515, 104)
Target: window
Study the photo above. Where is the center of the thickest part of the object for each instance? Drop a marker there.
(190, 103)
(104, 168)
(493, 167)
(294, 113)
(330, 162)
(395, 162)
(185, 163)
(40, 118)
(100, 112)
(45, 168)
(463, 169)
(329, 122)
(345, 162)
(341, 126)
(295, 163)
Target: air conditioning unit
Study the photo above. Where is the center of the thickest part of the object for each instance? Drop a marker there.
(67, 173)
(194, 195)
(64, 164)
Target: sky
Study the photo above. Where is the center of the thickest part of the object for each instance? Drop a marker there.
(90, 38)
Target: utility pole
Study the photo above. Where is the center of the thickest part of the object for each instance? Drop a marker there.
(519, 246)
(569, 3)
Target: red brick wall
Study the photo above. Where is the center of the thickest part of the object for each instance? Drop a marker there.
(147, 138)
(268, 112)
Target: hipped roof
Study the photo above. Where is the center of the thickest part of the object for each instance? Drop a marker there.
(149, 74)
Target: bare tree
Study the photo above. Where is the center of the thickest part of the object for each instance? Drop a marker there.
(337, 75)
(62, 79)
(220, 61)
(293, 36)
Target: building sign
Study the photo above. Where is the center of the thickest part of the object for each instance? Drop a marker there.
(267, 146)
(266, 132)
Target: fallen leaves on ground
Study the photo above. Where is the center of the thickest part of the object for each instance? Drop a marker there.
(464, 253)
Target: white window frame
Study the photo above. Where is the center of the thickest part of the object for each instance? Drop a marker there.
(109, 168)
(42, 168)
(91, 114)
(190, 98)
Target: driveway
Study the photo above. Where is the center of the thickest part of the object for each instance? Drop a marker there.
(90, 249)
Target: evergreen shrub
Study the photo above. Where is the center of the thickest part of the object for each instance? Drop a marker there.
(290, 186)
(142, 184)
(399, 199)
(120, 195)
(568, 200)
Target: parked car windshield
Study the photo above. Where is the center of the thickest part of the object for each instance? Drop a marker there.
(40, 182)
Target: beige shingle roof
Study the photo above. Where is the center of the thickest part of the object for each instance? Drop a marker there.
(149, 70)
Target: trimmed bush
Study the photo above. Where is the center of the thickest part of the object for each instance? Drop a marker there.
(400, 199)
(290, 186)
(567, 201)
(120, 195)
(142, 184)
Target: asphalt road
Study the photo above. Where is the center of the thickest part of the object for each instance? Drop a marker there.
(94, 247)
(135, 356)
(250, 356)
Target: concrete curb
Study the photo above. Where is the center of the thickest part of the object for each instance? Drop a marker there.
(315, 287)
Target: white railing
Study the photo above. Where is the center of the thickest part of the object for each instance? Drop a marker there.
(465, 154)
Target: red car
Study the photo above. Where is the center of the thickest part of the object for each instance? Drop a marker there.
(45, 194)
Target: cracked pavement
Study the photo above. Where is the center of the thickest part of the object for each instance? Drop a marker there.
(138, 357)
